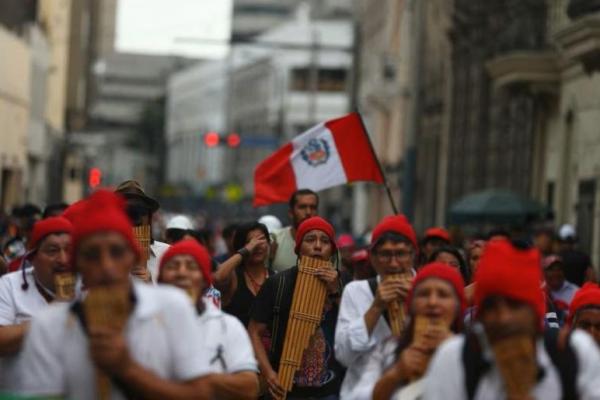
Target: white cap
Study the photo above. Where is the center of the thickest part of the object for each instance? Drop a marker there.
(271, 222)
(180, 222)
(566, 232)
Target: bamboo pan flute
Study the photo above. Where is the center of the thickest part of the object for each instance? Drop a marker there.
(396, 308)
(64, 284)
(515, 358)
(107, 307)
(305, 316)
(142, 234)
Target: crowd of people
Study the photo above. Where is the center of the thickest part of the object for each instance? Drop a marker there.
(93, 306)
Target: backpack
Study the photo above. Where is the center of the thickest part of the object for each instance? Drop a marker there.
(563, 357)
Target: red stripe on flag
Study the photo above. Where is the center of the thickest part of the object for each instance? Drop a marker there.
(274, 179)
(355, 149)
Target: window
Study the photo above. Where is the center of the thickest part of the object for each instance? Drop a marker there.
(329, 80)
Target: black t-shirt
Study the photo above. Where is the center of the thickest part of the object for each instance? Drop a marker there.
(242, 299)
(320, 374)
(576, 264)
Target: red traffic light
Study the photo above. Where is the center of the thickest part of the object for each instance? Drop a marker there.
(95, 177)
(233, 140)
(211, 139)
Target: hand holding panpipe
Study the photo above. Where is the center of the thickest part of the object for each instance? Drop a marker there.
(64, 286)
(106, 307)
(395, 308)
(516, 361)
(143, 236)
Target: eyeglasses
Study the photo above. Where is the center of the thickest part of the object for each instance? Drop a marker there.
(386, 256)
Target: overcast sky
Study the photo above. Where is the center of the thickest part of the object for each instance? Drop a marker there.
(152, 26)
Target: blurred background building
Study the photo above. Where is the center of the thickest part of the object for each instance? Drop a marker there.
(459, 97)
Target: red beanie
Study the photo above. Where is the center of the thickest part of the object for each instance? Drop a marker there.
(192, 248)
(47, 226)
(446, 273)
(395, 223)
(73, 212)
(437, 233)
(314, 223)
(514, 273)
(588, 295)
(101, 212)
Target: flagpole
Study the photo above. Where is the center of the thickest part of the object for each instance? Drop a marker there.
(385, 183)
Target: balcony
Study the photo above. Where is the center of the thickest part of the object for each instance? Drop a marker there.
(535, 69)
(579, 42)
(580, 8)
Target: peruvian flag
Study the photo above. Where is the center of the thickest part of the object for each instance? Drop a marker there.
(330, 154)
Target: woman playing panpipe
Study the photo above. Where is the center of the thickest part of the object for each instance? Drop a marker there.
(187, 265)
(299, 306)
(434, 310)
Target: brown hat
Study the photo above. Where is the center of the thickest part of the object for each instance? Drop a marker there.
(133, 190)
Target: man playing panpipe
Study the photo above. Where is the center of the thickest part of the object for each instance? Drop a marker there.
(125, 339)
(364, 320)
(507, 355)
(319, 375)
(187, 265)
(25, 292)
(140, 209)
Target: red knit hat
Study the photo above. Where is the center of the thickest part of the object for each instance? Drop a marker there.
(588, 295)
(103, 211)
(73, 212)
(395, 223)
(446, 273)
(514, 273)
(47, 226)
(314, 223)
(192, 248)
(437, 233)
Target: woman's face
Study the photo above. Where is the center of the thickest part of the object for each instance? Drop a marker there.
(184, 272)
(448, 259)
(261, 252)
(474, 256)
(435, 298)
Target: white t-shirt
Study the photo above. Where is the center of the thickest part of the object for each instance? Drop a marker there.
(157, 249)
(18, 305)
(226, 340)
(162, 335)
(285, 256)
(445, 378)
(352, 340)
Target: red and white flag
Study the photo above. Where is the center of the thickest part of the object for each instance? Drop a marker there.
(330, 154)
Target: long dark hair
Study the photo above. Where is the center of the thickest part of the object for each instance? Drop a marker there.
(463, 267)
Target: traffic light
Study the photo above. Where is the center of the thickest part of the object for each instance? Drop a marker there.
(233, 140)
(95, 177)
(211, 139)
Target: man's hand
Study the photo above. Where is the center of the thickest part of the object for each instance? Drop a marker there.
(275, 389)
(109, 351)
(330, 277)
(388, 291)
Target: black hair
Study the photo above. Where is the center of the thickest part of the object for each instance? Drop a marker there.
(464, 269)
(229, 230)
(54, 209)
(301, 192)
(393, 237)
(242, 231)
(498, 232)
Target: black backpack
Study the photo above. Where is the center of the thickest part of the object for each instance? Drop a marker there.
(563, 358)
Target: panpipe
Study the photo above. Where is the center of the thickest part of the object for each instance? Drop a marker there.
(395, 310)
(64, 286)
(143, 236)
(306, 314)
(106, 307)
(425, 325)
(515, 359)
